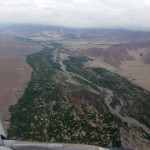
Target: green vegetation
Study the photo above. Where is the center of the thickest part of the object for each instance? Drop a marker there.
(23, 39)
(45, 113)
(115, 82)
(114, 103)
(103, 77)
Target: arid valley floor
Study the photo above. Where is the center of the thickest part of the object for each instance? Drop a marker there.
(15, 73)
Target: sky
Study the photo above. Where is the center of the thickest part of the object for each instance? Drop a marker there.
(128, 14)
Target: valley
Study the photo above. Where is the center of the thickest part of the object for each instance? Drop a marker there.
(87, 87)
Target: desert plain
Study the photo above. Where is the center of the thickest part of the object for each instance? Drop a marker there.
(15, 73)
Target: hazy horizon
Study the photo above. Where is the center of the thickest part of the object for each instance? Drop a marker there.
(111, 14)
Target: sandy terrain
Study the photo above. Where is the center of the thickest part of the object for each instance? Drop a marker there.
(14, 72)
